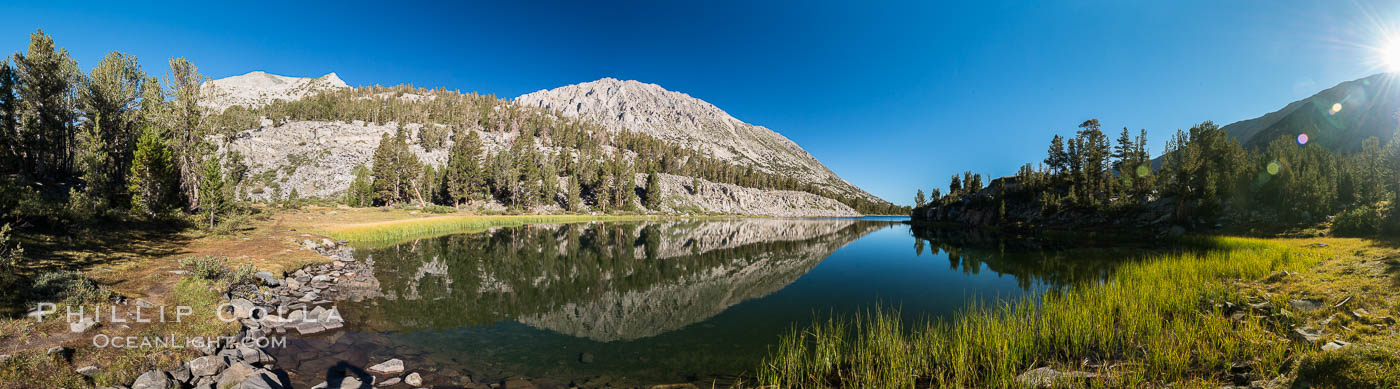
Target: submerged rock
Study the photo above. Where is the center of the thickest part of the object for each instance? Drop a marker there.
(388, 367)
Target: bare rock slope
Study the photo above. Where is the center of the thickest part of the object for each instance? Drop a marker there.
(259, 88)
(681, 119)
(317, 158)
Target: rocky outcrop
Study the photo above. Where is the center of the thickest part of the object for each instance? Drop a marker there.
(680, 195)
(681, 119)
(259, 88)
(316, 158)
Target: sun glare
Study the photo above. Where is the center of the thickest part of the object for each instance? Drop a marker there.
(1390, 54)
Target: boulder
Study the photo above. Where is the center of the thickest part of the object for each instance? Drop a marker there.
(154, 379)
(235, 374)
(267, 278)
(1308, 334)
(348, 382)
(82, 325)
(316, 314)
(390, 382)
(309, 327)
(413, 379)
(90, 371)
(242, 308)
(261, 379)
(1334, 345)
(181, 375)
(391, 366)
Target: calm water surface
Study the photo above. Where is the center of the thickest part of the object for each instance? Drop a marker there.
(657, 302)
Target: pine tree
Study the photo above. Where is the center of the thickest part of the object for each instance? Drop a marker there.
(602, 185)
(549, 180)
(109, 100)
(429, 182)
(464, 177)
(361, 191)
(211, 190)
(95, 164)
(505, 177)
(44, 78)
(1056, 158)
(575, 201)
(385, 171)
(408, 169)
(152, 180)
(653, 190)
(919, 199)
(10, 146)
(187, 134)
(525, 190)
(625, 188)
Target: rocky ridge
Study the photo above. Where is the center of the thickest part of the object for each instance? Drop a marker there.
(690, 122)
(317, 159)
(258, 88)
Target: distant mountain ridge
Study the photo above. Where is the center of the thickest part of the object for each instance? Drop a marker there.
(1339, 118)
(259, 88)
(693, 123)
(315, 157)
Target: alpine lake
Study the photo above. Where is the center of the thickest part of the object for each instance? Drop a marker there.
(676, 301)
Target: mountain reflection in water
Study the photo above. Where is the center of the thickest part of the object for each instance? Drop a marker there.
(658, 302)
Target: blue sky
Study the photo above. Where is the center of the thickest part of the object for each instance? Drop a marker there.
(892, 96)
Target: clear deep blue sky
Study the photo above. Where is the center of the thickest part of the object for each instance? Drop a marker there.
(893, 96)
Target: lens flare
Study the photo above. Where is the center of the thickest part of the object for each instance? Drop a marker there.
(1337, 107)
(1302, 139)
(1389, 53)
(1142, 171)
(1273, 168)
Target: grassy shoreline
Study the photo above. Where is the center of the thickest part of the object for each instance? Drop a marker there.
(1182, 318)
(383, 233)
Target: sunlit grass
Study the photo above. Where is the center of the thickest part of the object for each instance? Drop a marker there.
(121, 365)
(395, 231)
(1154, 321)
